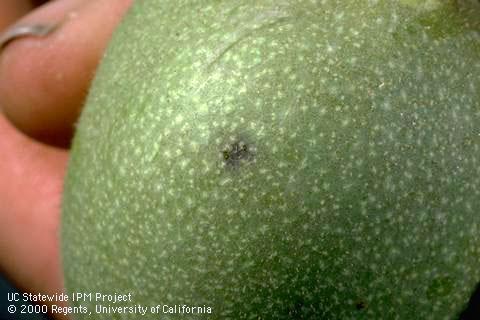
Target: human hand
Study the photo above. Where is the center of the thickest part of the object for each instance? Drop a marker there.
(43, 83)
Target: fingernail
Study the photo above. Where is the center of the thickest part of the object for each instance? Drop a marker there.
(34, 30)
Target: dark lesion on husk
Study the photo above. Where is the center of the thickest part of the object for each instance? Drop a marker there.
(237, 153)
(360, 305)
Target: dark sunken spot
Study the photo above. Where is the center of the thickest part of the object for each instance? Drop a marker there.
(237, 153)
(360, 305)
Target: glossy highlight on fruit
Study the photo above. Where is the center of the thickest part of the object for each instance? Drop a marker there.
(281, 160)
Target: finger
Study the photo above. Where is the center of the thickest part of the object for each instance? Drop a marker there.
(44, 81)
(31, 182)
(11, 10)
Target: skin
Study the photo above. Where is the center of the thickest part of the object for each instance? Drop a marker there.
(43, 83)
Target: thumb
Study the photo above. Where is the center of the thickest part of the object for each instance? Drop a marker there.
(31, 182)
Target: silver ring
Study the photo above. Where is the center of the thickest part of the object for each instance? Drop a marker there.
(37, 30)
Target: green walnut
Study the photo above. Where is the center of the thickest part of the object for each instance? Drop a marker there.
(277, 159)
